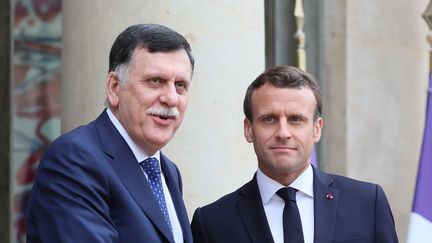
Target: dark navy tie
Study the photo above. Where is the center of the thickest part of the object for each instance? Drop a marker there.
(293, 232)
(152, 169)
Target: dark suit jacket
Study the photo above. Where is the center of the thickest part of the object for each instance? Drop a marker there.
(90, 188)
(358, 212)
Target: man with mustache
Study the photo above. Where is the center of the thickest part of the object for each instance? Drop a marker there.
(289, 200)
(108, 181)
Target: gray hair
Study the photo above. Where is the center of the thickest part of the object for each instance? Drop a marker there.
(122, 71)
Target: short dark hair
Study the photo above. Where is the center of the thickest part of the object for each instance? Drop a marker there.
(283, 77)
(153, 37)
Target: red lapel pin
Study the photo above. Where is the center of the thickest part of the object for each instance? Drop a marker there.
(329, 196)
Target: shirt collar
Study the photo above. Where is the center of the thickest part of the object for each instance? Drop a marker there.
(138, 152)
(268, 187)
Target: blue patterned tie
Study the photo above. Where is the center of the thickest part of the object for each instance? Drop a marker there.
(152, 169)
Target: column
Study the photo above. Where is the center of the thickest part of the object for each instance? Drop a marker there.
(376, 76)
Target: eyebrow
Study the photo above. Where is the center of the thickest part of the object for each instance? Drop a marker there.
(298, 115)
(260, 116)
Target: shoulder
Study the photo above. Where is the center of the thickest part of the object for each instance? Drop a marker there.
(352, 191)
(229, 201)
(344, 183)
(222, 220)
(80, 139)
(88, 137)
(218, 214)
(73, 154)
(85, 140)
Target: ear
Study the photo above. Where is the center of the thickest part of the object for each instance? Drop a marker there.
(317, 127)
(247, 129)
(112, 89)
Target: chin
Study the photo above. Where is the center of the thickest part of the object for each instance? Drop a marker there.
(288, 166)
(161, 142)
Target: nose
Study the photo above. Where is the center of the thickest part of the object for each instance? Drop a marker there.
(283, 130)
(169, 96)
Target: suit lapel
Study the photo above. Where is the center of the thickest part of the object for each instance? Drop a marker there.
(172, 179)
(325, 205)
(128, 170)
(252, 213)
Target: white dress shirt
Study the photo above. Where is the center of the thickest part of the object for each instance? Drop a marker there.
(274, 205)
(140, 155)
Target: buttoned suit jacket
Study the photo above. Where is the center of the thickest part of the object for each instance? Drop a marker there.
(90, 188)
(345, 210)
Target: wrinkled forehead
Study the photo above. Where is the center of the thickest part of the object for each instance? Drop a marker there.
(178, 55)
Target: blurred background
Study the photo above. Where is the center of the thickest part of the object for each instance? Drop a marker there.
(370, 57)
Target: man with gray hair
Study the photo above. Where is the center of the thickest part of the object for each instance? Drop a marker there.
(108, 181)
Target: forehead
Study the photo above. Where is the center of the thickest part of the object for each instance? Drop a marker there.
(174, 62)
(271, 99)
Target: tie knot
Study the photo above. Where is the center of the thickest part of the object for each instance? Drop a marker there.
(287, 194)
(151, 166)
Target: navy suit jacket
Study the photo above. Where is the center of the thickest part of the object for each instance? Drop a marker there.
(357, 212)
(90, 188)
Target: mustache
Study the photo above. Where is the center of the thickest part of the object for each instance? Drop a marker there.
(164, 112)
